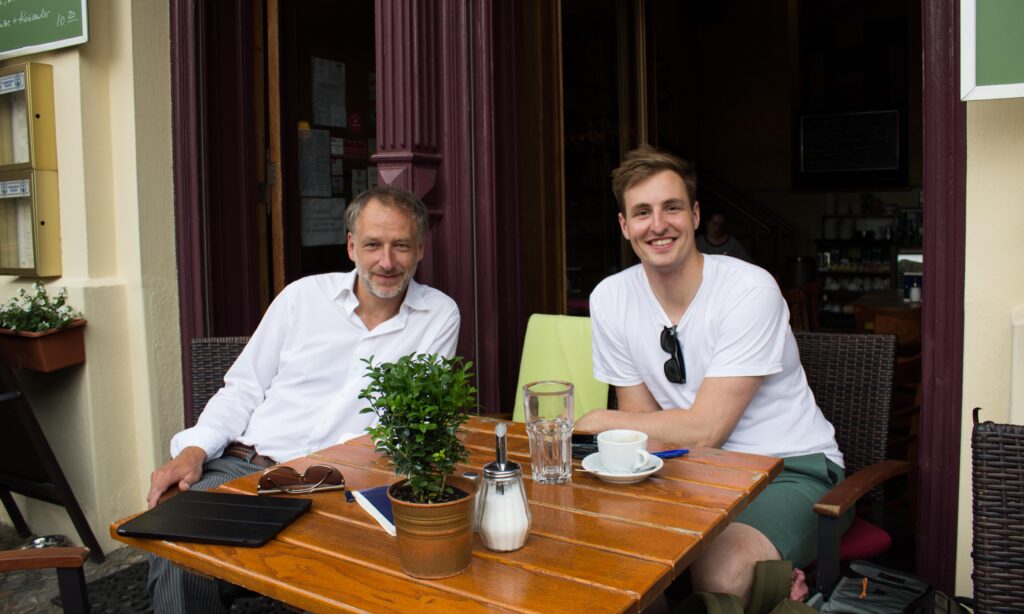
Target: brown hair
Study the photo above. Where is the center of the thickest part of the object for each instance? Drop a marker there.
(392, 197)
(645, 162)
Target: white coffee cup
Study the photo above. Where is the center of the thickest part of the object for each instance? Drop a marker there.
(623, 450)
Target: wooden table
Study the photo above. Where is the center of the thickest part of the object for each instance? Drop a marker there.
(595, 546)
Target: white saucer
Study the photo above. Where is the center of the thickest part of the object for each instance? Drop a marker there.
(592, 463)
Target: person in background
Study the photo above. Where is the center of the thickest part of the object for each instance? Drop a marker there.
(295, 387)
(717, 240)
(701, 354)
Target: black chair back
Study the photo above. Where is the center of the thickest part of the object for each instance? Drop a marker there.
(851, 377)
(211, 359)
(998, 489)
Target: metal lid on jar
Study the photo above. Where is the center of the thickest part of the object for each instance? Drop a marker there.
(502, 471)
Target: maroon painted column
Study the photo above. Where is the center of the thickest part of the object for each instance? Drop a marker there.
(436, 137)
(185, 67)
(408, 77)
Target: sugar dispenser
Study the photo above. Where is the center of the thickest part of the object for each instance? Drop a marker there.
(503, 514)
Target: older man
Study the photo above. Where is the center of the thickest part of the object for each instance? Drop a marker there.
(294, 388)
(700, 352)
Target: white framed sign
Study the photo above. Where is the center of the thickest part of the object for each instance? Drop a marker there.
(991, 49)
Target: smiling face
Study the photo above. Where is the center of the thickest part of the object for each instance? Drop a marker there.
(659, 222)
(386, 248)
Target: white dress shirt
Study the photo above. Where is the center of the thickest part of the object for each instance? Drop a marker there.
(294, 389)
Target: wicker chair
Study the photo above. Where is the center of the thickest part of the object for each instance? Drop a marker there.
(998, 488)
(851, 377)
(211, 359)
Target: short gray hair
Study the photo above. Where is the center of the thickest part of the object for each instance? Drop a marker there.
(390, 196)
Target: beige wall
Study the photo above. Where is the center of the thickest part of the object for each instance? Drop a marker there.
(109, 420)
(994, 284)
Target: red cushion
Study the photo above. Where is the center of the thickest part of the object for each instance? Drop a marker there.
(863, 540)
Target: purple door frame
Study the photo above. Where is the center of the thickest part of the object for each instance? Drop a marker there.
(945, 214)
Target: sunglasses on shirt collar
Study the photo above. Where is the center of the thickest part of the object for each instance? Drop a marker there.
(675, 368)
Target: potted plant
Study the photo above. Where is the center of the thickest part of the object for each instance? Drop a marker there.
(41, 333)
(420, 402)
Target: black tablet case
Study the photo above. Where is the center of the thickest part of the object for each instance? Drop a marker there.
(217, 518)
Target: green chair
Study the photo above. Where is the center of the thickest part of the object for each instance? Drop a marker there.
(558, 348)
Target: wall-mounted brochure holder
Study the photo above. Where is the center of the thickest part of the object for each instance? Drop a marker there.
(29, 205)
(27, 127)
(29, 224)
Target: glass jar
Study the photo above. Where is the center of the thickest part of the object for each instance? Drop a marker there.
(502, 511)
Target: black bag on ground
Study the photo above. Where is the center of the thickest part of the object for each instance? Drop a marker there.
(867, 588)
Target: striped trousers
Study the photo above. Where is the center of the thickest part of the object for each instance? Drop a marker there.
(176, 590)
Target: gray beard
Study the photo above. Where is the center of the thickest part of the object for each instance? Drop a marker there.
(377, 292)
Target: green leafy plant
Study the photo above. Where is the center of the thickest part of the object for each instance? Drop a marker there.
(420, 402)
(37, 311)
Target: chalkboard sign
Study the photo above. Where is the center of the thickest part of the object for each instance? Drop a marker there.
(844, 142)
(31, 26)
(991, 49)
(862, 150)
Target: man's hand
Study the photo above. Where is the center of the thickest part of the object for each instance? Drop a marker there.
(183, 471)
(632, 400)
(593, 422)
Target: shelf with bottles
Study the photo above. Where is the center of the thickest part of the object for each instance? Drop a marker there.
(901, 226)
(842, 289)
(849, 258)
(882, 272)
(839, 292)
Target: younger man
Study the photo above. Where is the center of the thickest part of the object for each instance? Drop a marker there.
(701, 354)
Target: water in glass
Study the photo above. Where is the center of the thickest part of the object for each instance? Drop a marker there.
(551, 451)
(549, 421)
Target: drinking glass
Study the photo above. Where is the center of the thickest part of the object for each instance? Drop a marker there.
(549, 419)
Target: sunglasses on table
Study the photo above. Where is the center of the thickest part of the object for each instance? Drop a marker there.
(284, 479)
(675, 368)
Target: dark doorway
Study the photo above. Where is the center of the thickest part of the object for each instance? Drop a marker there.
(328, 124)
(737, 87)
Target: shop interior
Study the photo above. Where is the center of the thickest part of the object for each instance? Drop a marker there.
(803, 120)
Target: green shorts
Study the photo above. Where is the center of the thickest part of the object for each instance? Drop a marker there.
(783, 514)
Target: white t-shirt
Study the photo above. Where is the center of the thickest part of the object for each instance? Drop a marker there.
(736, 325)
(295, 387)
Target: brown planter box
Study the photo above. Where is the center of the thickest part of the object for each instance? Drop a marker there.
(46, 351)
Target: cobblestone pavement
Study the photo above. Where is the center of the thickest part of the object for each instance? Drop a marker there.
(30, 592)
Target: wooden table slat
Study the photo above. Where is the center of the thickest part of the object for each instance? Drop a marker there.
(550, 591)
(624, 506)
(635, 540)
(326, 586)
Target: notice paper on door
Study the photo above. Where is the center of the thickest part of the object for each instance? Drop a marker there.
(329, 93)
(358, 181)
(323, 221)
(314, 162)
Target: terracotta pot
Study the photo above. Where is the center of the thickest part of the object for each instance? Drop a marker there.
(47, 351)
(435, 540)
